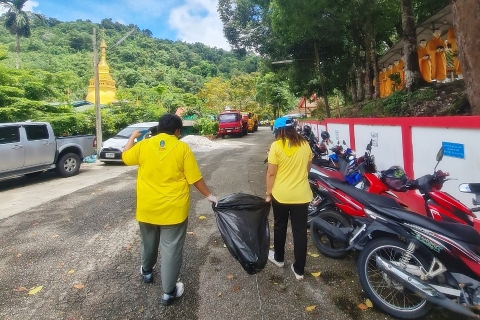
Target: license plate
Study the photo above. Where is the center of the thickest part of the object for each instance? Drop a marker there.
(229, 130)
(109, 155)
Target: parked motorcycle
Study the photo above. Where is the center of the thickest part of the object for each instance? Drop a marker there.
(409, 262)
(337, 215)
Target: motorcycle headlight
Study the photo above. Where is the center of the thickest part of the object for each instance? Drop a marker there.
(464, 187)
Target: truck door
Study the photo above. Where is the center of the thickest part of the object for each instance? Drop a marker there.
(12, 150)
(40, 146)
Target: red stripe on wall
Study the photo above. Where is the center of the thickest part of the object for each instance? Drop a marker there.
(407, 147)
(466, 122)
(351, 130)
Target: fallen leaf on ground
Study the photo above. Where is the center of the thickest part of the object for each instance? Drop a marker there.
(101, 239)
(128, 247)
(202, 217)
(369, 303)
(316, 274)
(229, 276)
(362, 306)
(315, 255)
(19, 289)
(271, 247)
(79, 286)
(55, 235)
(224, 246)
(190, 232)
(71, 271)
(19, 255)
(236, 288)
(310, 308)
(140, 310)
(35, 290)
(219, 294)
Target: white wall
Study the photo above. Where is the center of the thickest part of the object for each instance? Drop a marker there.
(427, 142)
(388, 149)
(339, 132)
(315, 130)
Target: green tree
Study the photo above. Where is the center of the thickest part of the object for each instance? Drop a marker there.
(18, 22)
(274, 93)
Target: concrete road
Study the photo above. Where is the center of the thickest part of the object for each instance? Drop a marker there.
(78, 239)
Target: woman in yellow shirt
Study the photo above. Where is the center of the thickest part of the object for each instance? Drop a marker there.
(166, 168)
(289, 162)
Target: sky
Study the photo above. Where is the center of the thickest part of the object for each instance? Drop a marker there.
(186, 20)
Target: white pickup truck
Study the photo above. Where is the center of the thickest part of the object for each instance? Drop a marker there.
(28, 148)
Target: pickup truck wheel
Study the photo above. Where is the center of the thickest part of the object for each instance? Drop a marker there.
(68, 165)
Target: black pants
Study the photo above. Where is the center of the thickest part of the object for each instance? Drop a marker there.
(298, 217)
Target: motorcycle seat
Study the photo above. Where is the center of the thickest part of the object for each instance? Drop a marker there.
(452, 230)
(364, 197)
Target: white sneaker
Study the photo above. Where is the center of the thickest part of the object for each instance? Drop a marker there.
(168, 299)
(271, 257)
(297, 276)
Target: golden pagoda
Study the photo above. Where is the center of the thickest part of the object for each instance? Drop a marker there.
(107, 84)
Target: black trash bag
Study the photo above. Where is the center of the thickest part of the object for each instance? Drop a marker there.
(243, 223)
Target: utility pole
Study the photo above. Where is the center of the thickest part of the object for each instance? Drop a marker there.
(98, 114)
(322, 81)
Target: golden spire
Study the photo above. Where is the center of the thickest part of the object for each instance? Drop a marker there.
(107, 84)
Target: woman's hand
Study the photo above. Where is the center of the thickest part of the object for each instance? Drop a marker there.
(268, 198)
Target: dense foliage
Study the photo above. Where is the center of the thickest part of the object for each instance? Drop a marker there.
(153, 76)
(339, 41)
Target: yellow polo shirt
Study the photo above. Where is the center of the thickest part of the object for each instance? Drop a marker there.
(291, 182)
(166, 168)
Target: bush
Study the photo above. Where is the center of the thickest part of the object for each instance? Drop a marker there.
(206, 126)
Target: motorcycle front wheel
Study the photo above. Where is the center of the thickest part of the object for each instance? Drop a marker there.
(387, 294)
(327, 246)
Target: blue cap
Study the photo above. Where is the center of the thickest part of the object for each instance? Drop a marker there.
(282, 123)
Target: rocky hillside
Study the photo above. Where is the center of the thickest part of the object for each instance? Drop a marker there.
(436, 99)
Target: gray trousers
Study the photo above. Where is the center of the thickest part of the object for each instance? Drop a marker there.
(171, 239)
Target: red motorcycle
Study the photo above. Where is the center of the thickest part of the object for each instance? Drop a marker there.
(341, 207)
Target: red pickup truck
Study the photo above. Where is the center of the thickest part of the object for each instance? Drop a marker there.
(231, 122)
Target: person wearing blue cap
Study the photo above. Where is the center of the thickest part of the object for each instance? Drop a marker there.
(289, 162)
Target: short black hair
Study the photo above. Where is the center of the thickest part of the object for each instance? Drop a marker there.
(169, 123)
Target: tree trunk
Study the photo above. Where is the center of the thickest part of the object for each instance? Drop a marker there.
(360, 84)
(466, 22)
(376, 73)
(353, 86)
(413, 78)
(17, 53)
(368, 61)
(322, 82)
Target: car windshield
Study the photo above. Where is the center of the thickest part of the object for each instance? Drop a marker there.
(228, 117)
(127, 132)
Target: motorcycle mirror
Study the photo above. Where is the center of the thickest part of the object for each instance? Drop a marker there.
(439, 158)
(440, 154)
(344, 143)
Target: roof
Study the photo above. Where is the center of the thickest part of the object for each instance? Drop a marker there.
(144, 124)
(442, 20)
(22, 123)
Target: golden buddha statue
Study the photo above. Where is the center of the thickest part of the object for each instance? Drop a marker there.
(106, 82)
(424, 61)
(436, 46)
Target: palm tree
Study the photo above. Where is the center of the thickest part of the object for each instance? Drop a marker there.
(18, 21)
